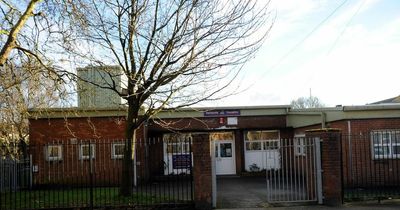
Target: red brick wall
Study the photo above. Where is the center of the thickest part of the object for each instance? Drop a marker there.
(330, 164)
(207, 123)
(239, 151)
(358, 126)
(359, 168)
(202, 176)
(210, 123)
(45, 130)
(101, 131)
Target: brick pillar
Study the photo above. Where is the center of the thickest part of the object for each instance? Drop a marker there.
(202, 171)
(331, 160)
(239, 151)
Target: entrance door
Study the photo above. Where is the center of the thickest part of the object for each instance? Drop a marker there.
(225, 157)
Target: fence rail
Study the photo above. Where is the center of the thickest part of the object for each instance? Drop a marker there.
(77, 173)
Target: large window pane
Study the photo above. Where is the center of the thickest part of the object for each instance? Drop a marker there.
(221, 136)
(396, 137)
(269, 135)
(381, 150)
(271, 145)
(261, 135)
(216, 150)
(385, 138)
(253, 145)
(396, 150)
(377, 138)
(177, 137)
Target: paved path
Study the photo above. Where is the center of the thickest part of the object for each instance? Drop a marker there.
(243, 192)
(370, 205)
(249, 193)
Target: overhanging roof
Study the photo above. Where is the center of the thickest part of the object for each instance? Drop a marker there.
(295, 117)
(192, 112)
(307, 117)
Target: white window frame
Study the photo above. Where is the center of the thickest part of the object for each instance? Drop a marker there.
(113, 155)
(299, 142)
(390, 143)
(60, 153)
(262, 142)
(86, 157)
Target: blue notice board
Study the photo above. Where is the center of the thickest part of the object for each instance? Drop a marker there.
(181, 161)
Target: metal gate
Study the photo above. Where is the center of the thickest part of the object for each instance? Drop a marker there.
(299, 177)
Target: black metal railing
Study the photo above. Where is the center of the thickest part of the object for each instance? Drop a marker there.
(77, 173)
(371, 165)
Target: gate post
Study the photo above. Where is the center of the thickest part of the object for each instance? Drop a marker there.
(331, 164)
(202, 178)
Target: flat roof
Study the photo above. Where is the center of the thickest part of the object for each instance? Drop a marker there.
(294, 115)
(351, 108)
(76, 112)
(306, 117)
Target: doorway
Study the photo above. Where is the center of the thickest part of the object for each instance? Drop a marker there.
(224, 157)
(224, 150)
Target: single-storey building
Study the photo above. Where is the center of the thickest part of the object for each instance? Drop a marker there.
(246, 139)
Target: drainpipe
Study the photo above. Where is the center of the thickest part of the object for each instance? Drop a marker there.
(323, 120)
(350, 166)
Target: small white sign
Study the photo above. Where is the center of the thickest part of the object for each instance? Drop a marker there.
(35, 169)
(73, 140)
(232, 121)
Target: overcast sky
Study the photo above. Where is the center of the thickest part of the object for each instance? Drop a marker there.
(346, 52)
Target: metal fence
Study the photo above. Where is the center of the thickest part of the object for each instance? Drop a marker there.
(15, 174)
(77, 173)
(371, 165)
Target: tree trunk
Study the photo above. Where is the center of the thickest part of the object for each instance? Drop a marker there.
(127, 165)
(11, 42)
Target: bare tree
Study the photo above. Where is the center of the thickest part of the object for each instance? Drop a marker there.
(27, 77)
(306, 102)
(23, 87)
(13, 20)
(172, 53)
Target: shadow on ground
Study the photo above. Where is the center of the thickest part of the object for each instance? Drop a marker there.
(241, 192)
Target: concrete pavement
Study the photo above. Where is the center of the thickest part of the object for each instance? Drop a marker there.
(249, 193)
(367, 205)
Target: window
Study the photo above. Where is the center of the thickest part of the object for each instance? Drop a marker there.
(84, 151)
(117, 150)
(253, 145)
(218, 136)
(53, 152)
(226, 149)
(271, 144)
(177, 143)
(261, 140)
(385, 144)
(299, 144)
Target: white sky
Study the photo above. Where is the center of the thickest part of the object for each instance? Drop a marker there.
(352, 58)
